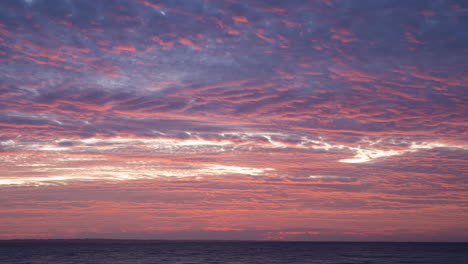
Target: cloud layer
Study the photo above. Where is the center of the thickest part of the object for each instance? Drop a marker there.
(234, 119)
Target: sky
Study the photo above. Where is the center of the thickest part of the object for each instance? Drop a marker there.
(234, 119)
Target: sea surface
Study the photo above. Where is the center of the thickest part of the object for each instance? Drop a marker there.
(203, 252)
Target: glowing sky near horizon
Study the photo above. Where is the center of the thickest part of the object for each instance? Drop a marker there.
(230, 119)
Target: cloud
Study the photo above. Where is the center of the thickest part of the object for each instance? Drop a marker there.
(221, 118)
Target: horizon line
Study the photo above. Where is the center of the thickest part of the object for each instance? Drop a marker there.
(213, 240)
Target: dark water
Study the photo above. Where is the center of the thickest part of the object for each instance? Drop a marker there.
(139, 252)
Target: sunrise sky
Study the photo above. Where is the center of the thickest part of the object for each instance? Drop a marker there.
(234, 119)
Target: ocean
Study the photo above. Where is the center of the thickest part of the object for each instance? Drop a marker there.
(211, 252)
